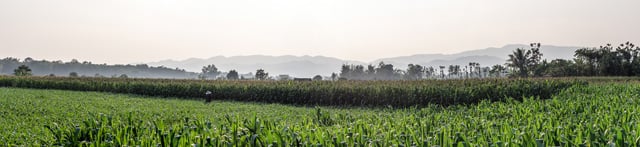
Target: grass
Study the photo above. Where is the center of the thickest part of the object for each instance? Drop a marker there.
(594, 115)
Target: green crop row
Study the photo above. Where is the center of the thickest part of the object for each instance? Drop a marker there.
(592, 115)
(323, 93)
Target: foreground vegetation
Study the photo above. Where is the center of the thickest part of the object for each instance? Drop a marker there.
(324, 93)
(594, 115)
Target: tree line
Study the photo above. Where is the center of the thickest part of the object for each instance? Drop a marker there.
(75, 68)
(607, 60)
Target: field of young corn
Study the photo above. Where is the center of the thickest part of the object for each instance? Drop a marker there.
(397, 94)
(603, 114)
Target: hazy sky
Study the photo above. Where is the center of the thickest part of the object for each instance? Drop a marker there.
(128, 31)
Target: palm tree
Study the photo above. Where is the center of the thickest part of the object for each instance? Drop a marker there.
(478, 69)
(496, 70)
(457, 70)
(471, 64)
(451, 72)
(22, 70)
(520, 61)
(474, 66)
(466, 71)
(442, 71)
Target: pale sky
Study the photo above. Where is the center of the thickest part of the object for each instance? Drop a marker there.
(132, 31)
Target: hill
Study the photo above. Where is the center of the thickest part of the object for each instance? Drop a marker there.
(59, 68)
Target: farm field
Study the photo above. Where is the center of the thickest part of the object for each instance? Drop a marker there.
(292, 73)
(397, 94)
(600, 114)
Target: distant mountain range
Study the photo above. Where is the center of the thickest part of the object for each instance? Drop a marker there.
(308, 66)
(297, 66)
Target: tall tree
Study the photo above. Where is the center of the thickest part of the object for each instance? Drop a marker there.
(414, 72)
(474, 69)
(358, 73)
(471, 65)
(454, 70)
(536, 55)
(519, 60)
(371, 72)
(478, 69)
(430, 72)
(611, 63)
(22, 70)
(385, 71)
(450, 71)
(345, 71)
(334, 76)
(497, 70)
(524, 61)
(485, 71)
(232, 75)
(210, 71)
(466, 71)
(261, 75)
(591, 58)
(442, 71)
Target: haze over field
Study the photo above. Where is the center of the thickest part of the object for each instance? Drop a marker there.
(308, 66)
(144, 31)
(319, 73)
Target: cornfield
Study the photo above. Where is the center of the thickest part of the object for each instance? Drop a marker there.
(581, 115)
(397, 94)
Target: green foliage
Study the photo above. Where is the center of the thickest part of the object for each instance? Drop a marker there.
(497, 70)
(382, 72)
(22, 70)
(325, 93)
(233, 75)
(561, 68)
(525, 62)
(474, 69)
(583, 115)
(261, 74)
(414, 72)
(608, 60)
(209, 72)
(73, 74)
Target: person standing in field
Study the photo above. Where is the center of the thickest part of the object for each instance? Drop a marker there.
(208, 96)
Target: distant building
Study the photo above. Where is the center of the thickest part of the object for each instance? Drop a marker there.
(284, 77)
(247, 76)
